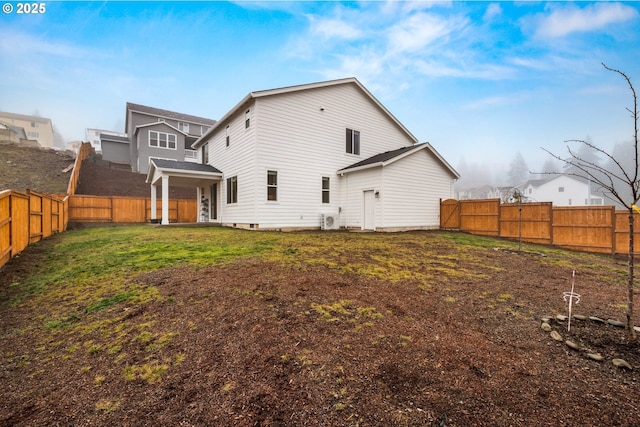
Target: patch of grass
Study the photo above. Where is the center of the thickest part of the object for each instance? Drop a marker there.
(62, 322)
(151, 372)
(108, 302)
(107, 406)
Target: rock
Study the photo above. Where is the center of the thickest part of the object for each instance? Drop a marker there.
(545, 319)
(579, 317)
(595, 356)
(572, 345)
(556, 336)
(615, 322)
(636, 328)
(561, 318)
(596, 319)
(545, 327)
(621, 363)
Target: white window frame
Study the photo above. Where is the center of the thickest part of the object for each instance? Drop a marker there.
(272, 186)
(352, 142)
(167, 141)
(327, 190)
(204, 129)
(232, 190)
(184, 127)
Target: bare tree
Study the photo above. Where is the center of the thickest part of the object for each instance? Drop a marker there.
(620, 181)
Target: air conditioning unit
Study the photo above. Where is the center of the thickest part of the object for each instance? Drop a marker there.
(329, 222)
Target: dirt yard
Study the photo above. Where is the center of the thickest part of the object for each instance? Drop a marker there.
(267, 343)
(256, 342)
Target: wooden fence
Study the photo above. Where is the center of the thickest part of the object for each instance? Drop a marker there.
(584, 228)
(27, 218)
(127, 209)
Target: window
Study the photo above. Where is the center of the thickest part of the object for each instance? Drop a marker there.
(162, 140)
(247, 119)
(184, 127)
(34, 124)
(232, 190)
(205, 154)
(272, 186)
(227, 135)
(353, 141)
(326, 186)
(203, 129)
(33, 134)
(560, 189)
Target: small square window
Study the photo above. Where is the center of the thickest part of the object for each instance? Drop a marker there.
(560, 189)
(184, 127)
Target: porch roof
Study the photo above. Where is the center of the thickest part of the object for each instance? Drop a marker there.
(182, 174)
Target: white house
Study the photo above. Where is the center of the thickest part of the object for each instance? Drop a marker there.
(92, 135)
(561, 190)
(320, 155)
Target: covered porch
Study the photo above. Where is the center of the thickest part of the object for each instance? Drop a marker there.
(205, 178)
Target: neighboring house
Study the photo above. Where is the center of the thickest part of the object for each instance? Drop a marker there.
(36, 128)
(93, 136)
(12, 133)
(561, 190)
(155, 133)
(320, 155)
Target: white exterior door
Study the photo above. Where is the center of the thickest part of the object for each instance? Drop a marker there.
(369, 220)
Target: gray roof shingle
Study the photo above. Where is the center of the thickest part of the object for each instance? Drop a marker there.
(185, 166)
(382, 157)
(158, 112)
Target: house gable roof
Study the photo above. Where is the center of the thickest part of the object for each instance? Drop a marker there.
(182, 171)
(154, 124)
(290, 89)
(535, 183)
(167, 114)
(114, 138)
(388, 157)
(183, 166)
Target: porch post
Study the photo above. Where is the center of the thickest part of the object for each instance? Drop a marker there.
(165, 199)
(154, 208)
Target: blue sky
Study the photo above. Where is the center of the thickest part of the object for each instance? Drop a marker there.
(481, 81)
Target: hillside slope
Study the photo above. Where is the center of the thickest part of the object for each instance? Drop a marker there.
(37, 169)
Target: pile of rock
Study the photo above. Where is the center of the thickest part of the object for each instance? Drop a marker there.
(556, 336)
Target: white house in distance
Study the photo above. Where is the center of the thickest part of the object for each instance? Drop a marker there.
(320, 155)
(93, 136)
(561, 190)
(36, 128)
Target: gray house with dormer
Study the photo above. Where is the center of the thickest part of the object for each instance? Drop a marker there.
(154, 133)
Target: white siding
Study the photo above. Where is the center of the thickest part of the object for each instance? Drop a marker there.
(575, 193)
(413, 187)
(238, 159)
(302, 136)
(355, 184)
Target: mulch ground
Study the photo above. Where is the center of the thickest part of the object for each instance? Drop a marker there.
(269, 344)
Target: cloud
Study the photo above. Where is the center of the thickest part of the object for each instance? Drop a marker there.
(333, 28)
(421, 30)
(492, 11)
(34, 45)
(572, 19)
